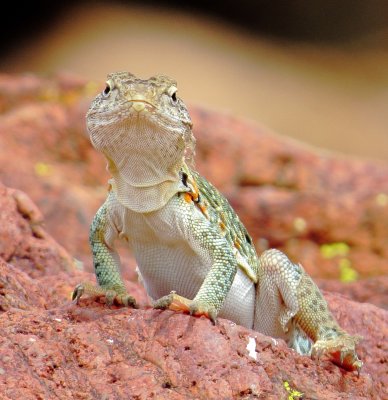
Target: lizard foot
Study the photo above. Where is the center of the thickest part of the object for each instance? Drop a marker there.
(341, 350)
(115, 295)
(179, 303)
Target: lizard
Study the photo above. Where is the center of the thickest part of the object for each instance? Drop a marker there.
(193, 252)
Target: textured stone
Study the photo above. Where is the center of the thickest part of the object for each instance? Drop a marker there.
(288, 195)
(23, 240)
(51, 348)
(70, 352)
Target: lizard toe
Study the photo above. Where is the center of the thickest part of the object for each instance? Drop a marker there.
(77, 293)
(110, 296)
(341, 350)
(128, 301)
(173, 302)
(119, 297)
(116, 294)
(198, 308)
(164, 302)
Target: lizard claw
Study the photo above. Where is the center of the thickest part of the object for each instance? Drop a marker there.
(77, 293)
(198, 309)
(316, 352)
(342, 356)
(113, 295)
(341, 350)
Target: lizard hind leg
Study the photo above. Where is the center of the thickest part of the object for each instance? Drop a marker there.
(289, 305)
(276, 294)
(116, 294)
(316, 320)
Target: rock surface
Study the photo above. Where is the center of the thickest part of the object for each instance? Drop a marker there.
(288, 195)
(51, 348)
(372, 290)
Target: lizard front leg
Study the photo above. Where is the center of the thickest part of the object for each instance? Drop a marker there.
(213, 249)
(289, 302)
(106, 264)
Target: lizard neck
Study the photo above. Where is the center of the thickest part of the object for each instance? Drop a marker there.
(147, 198)
(140, 197)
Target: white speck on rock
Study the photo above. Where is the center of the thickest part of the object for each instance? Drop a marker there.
(110, 341)
(251, 347)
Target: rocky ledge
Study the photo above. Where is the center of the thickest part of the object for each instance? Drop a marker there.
(326, 211)
(51, 348)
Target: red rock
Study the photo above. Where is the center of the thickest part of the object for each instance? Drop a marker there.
(51, 348)
(288, 195)
(23, 241)
(74, 351)
(18, 290)
(373, 290)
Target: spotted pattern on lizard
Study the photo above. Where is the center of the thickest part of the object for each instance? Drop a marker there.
(193, 252)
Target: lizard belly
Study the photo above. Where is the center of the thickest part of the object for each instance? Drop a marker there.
(166, 262)
(239, 305)
(164, 269)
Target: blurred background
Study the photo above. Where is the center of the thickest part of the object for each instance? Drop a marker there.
(314, 70)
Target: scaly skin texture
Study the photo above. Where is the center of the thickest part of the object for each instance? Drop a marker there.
(193, 253)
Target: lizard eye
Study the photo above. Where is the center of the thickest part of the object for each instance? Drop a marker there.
(106, 91)
(172, 93)
(108, 88)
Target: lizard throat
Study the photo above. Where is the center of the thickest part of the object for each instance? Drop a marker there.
(146, 198)
(144, 160)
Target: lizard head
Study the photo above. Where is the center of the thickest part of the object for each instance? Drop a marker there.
(154, 98)
(142, 127)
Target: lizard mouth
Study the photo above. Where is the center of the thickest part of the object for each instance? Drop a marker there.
(140, 105)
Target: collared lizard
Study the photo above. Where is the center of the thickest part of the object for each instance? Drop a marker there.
(193, 253)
